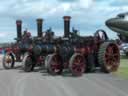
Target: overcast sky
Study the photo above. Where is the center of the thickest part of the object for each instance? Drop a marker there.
(87, 15)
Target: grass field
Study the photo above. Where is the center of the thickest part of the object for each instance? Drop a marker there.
(123, 70)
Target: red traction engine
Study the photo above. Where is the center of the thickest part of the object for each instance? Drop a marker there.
(83, 53)
(15, 52)
(42, 45)
(77, 53)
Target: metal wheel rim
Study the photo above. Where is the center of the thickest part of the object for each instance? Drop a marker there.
(8, 60)
(112, 58)
(78, 64)
(55, 64)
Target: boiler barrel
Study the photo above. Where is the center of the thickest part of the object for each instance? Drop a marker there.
(43, 48)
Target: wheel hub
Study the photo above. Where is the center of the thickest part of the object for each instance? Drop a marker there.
(8, 59)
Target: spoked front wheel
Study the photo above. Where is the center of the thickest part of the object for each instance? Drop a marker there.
(77, 64)
(54, 64)
(8, 60)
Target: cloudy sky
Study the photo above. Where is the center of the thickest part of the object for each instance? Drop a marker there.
(87, 15)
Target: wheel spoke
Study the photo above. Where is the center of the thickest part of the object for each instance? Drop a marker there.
(8, 61)
(78, 65)
(116, 54)
(55, 65)
(112, 65)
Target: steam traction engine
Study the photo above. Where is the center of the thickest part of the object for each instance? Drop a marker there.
(16, 51)
(77, 53)
(42, 45)
(82, 54)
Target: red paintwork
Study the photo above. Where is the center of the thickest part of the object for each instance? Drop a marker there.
(40, 59)
(8, 49)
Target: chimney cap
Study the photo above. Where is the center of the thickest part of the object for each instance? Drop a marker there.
(18, 21)
(67, 18)
(39, 19)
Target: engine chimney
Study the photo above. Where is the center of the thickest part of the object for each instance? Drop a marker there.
(19, 29)
(39, 27)
(66, 25)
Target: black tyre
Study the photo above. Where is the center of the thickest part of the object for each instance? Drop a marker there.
(109, 57)
(90, 63)
(27, 63)
(8, 60)
(54, 64)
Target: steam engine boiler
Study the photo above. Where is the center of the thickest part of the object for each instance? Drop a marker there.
(16, 51)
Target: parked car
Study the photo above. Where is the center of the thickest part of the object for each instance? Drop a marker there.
(124, 49)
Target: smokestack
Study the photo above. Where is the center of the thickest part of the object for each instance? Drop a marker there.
(19, 29)
(39, 27)
(66, 25)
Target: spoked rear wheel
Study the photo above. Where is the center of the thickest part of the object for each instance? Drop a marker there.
(54, 64)
(77, 64)
(109, 57)
(8, 60)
